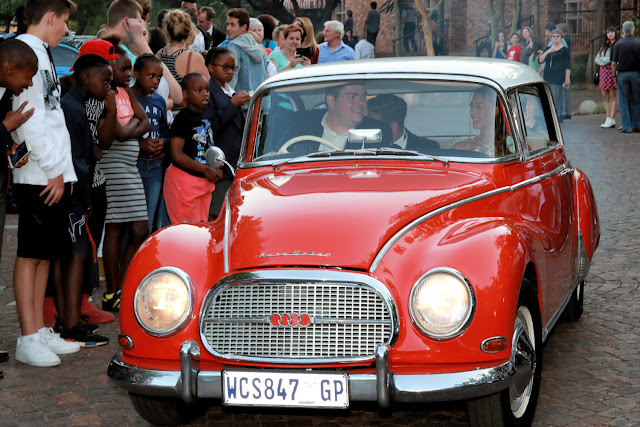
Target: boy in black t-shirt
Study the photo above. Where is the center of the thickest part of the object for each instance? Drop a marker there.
(92, 75)
(189, 181)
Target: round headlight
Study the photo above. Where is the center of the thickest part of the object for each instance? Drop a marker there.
(162, 302)
(441, 303)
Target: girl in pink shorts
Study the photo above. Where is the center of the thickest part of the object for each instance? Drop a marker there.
(189, 182)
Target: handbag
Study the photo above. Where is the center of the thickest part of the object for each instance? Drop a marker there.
(596, 78)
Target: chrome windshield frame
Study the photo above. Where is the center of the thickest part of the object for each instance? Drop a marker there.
(444, 78)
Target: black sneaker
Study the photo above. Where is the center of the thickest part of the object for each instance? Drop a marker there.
(83, 336)
(92, 326)
(111, 303)
(60, 325)
(4, 356)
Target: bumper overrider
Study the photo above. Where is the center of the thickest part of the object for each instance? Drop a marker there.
(190, 383)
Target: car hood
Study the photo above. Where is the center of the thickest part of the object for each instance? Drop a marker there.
(334, 216)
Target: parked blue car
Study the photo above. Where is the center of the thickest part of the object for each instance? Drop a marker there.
(63, 58)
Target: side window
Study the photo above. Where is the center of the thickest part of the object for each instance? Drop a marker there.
(539, 130)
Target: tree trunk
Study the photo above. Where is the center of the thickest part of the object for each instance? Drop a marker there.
(538, 23)
(426, 25)
(398, 45)
(516, 15)
(598, 29)
(497, 16)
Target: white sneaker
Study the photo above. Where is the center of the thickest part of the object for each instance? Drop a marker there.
(56, 344)
(609, 123)
(33, 353)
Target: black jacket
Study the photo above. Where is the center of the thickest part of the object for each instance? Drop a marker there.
(5, 138)
(420, 144)
(82, 147)
(227, 123)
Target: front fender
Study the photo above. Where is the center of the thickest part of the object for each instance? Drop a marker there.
(194, 248)
(491, 253)
(587, 212)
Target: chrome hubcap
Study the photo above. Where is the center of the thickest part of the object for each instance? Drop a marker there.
(523, 358)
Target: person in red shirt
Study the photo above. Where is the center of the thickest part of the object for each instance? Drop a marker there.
(516, 48)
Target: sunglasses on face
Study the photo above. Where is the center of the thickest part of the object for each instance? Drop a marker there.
(225, 67)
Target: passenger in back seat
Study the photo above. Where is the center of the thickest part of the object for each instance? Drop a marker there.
(392, 110)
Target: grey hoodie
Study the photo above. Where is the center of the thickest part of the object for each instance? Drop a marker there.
(252, 62)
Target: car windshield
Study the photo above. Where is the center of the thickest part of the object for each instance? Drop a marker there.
(399, 118)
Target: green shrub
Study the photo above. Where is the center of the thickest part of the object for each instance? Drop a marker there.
(579, 68)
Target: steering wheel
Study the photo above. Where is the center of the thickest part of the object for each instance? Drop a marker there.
(285, 148)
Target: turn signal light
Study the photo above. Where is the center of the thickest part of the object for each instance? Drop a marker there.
(494, 345)
(125, 342)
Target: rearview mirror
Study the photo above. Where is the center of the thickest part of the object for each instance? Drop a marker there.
(366, 136)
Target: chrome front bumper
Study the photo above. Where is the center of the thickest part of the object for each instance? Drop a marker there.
(384, 387)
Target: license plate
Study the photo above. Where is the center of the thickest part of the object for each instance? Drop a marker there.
(267, 388)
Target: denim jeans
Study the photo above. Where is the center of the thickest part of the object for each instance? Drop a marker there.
(151, 174)
(629, 98)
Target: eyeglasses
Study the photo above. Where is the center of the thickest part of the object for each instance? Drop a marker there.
(556, 35)
(225, 67)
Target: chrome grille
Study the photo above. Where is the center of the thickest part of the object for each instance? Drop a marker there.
(348, 321)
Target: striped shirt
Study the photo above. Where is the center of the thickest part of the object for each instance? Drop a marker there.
(170, 62)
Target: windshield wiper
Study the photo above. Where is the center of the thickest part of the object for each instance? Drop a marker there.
(400, 152)
(385, 151)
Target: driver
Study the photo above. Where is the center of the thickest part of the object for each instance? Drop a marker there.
(346, 109)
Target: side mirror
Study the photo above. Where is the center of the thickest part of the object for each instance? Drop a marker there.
(215, 158)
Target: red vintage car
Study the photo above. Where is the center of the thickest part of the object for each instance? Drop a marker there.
(401, 230)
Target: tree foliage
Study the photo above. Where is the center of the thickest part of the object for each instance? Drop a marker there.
(8, 10)
(91, 14)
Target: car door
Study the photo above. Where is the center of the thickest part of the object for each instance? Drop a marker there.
(542, 184)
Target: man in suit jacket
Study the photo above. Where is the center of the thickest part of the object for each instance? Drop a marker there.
(392, 109)
(346, 107)
(213, 36)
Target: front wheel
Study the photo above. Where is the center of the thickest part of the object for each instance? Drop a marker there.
(574, 309)
(516, 405)
(166, 411)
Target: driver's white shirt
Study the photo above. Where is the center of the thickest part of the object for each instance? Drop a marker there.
(339, 139)
(402, 141)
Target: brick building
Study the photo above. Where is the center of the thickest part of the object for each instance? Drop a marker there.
(464, 21)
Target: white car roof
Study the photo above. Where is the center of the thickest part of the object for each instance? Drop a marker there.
(505, 73)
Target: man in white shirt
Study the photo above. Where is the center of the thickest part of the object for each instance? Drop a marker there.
(365, 50)
(346, 108)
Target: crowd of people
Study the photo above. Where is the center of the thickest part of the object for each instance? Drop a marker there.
(618, 61)
(117, 149)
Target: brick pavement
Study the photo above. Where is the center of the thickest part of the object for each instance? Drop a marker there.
(592, 367)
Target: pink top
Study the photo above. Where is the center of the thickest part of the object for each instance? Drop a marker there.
(125, 110)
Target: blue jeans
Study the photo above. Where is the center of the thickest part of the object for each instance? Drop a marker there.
(629, 98)
(151, 174)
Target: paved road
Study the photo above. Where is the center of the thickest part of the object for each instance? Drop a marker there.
(592, 368)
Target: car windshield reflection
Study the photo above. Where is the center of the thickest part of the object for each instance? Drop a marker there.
(400, 118)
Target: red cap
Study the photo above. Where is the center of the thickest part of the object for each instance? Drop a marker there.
(99, 47)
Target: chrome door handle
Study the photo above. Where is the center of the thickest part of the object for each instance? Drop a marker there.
(565, 171)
